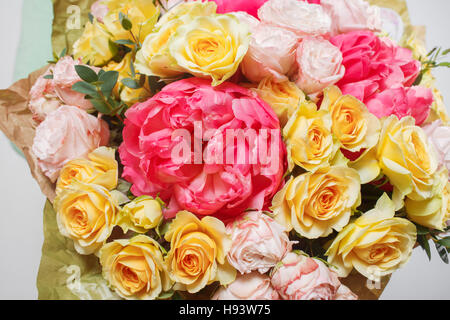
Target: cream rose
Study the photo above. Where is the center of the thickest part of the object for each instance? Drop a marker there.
(250, 286)
(375, 244)
(301, 17)
(319, 65)
(309, 141)
(135, 268)
(352, 15)
(283, 97)
(66, 134)
(433, 212)
(315, 204)
(407, 159)
(271, 53)
(86, 213)
(258, 243)
(198, 251)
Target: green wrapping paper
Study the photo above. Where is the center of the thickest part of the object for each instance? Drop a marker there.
(63, 273)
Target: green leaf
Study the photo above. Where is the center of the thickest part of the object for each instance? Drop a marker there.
(48, 76)
(445, 242)
(126, 23)
(131, 83)
(442, 252)
(423, 242)
(91, 17)
(446, 52)
(421, 230)
(166, 295)
(86, 73)
(432, 51)
(109, 79)
(133, 71)
(443, 64)
(85, 88)
(63, 53)
(125, 42)
(101, 106)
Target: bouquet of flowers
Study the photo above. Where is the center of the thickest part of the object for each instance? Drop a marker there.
(259, 149)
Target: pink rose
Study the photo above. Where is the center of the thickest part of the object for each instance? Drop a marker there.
(271, 53)
(251, 7)
(439, 136)
(246, 18)
(43, 98)
(352, 15)
(373, 64)
(64, 77)
(251, 286)
(302, 18)
(344, 293)
(319, 65)
(99, 10)
(411, 101)
(66, 134)
(303, 278)
(163, 152)
(258, 242)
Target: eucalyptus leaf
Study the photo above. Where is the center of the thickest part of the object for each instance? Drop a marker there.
(101, 106)
(423, 242)
(86, 73)
(445, 242)
(48, 76)
(131, 83)
(109, 79)
(125, 42)
(85, 88)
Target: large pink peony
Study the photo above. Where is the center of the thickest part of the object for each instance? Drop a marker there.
(373, 64)
(163, 152)
(302, 278)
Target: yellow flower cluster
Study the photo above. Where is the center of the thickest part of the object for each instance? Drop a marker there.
(192, 38)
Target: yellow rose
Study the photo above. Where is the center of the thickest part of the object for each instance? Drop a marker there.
(433, 212)
(198, 251)
(309, 141)
(407, 159)
(352, 123)
(128, 95)
(154, 57)
(375, 244)
(140, 215)
(135, 268)
(100, 168)
(143, 15)
(86, 213)
(188, 10)
(315, 204)
(210, 47)
(93, 47)
(438, 109)
(283, 97)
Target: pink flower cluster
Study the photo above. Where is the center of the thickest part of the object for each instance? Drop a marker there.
(381, 74)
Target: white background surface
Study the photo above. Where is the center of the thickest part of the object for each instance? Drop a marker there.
(21, 202)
